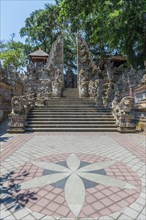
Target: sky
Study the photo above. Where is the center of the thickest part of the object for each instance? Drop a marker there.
(13, 14)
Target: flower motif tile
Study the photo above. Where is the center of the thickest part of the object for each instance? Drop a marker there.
(78, 185)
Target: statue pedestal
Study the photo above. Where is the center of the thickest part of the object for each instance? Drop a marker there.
(126, 124)
(17, 123)
(16, 127)
(126, 130)
(16, 130)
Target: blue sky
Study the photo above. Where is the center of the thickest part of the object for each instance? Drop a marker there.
(13, 15)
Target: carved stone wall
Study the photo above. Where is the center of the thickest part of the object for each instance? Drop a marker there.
(18, 88)
(5, 99)
(87, 69)
(47, 78)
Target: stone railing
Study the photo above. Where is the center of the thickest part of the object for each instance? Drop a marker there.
(21, 105)
(124, 114)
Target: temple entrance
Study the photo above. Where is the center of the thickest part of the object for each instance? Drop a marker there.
(70, 79)
(70, 85)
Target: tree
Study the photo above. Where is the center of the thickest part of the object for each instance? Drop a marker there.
(43, 27)
(13, 52)
(110, 25)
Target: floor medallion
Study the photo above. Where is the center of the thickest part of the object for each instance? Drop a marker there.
(77, 185)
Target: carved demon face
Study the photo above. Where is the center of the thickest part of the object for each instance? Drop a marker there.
(17, 105)
(127, 104)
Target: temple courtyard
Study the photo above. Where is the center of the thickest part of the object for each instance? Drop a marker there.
(78, 175)
(73, 110)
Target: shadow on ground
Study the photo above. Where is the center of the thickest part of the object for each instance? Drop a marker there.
(3, 127)
(4, 139)
(9, 188)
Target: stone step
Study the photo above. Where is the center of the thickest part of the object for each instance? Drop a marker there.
(70, 98)
(70, 119)
(69, 110)
(71, 116)
(71, 106)
(72, 125)
(67, 106)
(71, 129)
(70, 103)
(71, 92)
(69, 122)
(69, 113)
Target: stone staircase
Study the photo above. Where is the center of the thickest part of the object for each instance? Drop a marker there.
(70, 114)
(71, 92)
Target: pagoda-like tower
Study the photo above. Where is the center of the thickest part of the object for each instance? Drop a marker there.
(39, 57)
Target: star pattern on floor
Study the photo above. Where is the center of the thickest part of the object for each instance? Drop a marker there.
(74, 188)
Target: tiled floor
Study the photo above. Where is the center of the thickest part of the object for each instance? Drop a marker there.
(73, 176)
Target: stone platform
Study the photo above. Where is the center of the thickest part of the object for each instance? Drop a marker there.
(71, 176)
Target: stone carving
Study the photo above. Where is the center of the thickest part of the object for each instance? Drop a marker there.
(92, 89)
(18, 115)
(55, 65)
(87, 69)
(110, 94)
(83, 89)
(27, 103)
(45, 79)
(31, 100)
(110, 70)
(123, 113)
(83, 84)
(57, 84)
(39, 99)
(129, 79)
(12, 74)
(18, 88)
(143, 81)
(56, 89)
(99, 92)
(21, 105)
(56, 57)
(116, 100)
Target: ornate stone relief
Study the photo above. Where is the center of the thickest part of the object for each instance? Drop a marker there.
(18, 115)
(123, 112)
(88, 72)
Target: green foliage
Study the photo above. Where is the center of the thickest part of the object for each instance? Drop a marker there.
(113, 25)
(13, 52)
(42, 29)
(108, 26)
